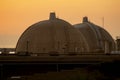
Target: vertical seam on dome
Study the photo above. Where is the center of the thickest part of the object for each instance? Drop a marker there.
(98, 36)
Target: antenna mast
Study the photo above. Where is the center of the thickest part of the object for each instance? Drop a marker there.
(103, 22)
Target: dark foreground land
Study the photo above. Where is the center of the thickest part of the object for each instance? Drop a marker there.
(84, 67)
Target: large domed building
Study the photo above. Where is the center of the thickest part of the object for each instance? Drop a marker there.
(52, 36)
(98, 39)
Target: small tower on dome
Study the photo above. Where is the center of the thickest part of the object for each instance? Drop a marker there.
(52, 16)
(85, 19)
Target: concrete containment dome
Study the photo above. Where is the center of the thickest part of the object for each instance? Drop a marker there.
(52, 36)
(98, 39)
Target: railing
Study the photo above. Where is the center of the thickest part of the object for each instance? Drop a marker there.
(60, 54)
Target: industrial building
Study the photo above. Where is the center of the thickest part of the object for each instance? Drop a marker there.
(98, 39)
(56, 36)
(52, 36)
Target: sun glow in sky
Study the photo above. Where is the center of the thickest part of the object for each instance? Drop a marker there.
(17, 15)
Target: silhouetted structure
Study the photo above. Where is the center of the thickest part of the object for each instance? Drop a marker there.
(97, 38)
(54, 36)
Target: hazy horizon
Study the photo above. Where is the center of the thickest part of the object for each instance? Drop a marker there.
(17, 16)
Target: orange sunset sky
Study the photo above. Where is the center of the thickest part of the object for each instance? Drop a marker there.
(17, 15)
